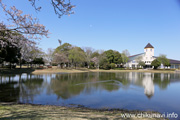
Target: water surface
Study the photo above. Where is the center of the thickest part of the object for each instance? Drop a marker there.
(127, 90)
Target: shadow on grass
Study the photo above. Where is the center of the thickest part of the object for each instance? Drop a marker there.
(16, 71)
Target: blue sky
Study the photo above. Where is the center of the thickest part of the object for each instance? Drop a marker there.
(115, 24)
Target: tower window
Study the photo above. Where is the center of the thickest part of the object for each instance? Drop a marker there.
(151, 50)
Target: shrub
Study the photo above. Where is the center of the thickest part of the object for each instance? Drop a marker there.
(112, 65)
(155, 63)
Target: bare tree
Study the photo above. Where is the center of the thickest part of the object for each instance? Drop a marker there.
(126, 52)
(49, 55)
(60, 58)
(125, 56)
(61, 7)
(88, 52)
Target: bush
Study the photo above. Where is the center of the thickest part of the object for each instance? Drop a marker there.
(112, 65)
(91, 65)
(54, 64)
(105, 66)
(155, 63)
(119, 68)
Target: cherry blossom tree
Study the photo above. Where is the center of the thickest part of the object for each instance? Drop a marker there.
(60, 58)
(49, 55)
(23, 24)
(61, 7)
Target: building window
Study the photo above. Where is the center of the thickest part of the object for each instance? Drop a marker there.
(151, 50)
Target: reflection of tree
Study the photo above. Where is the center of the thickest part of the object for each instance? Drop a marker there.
(9, 92)
(30, 87)
(162, 80)
(69, 85)
(25, 87)
(15, 88)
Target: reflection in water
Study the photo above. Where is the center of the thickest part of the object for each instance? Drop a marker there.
(148, 85)
(94, 89)
(24, 87)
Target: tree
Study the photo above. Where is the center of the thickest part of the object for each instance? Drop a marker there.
(113, 56)
(112, 65)
(76, 56)
(9, 53)
(155, 63)
(61, 7)
(126, 52)
(12, 51)
(125, 56)
(141, 63)
(95, 58)
(63, 48)
(49, 55)
(88, 52)
(95, 54)
(110, 56)
(62, 51)
(163, 60)
(26, 24)
(38, 61)
(104, 64)
(60, 58)
(117, 57)
(23, 24)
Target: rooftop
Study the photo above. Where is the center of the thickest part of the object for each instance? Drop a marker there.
(149, 46)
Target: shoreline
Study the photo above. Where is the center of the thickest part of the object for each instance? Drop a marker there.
(51, 71)
(57, 70)
(37, 111)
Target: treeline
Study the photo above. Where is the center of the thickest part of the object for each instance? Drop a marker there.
(69, 56)
(20, 52)
(15, 49)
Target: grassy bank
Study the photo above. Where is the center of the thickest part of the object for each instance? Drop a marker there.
(57, 70)
(38, 112)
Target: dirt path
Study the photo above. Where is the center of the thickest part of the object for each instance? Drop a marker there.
(39, 112)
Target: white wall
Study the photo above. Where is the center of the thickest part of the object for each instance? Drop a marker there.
(148, 56)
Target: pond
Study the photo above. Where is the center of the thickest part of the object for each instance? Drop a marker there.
(123, 90)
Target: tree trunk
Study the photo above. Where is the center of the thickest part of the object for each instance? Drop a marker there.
(20, 63)
(10, 66)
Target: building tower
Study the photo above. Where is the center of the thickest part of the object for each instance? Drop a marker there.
(149, 54)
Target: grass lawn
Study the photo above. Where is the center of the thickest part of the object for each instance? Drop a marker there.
(39, 112)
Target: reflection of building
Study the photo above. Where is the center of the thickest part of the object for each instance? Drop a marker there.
(148, 85)
(147, 57)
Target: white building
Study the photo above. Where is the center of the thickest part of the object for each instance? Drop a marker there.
(147, 57)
